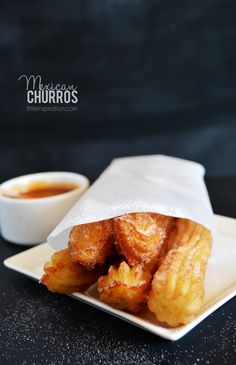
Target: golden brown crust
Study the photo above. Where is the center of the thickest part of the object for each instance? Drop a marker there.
(64, 276)
(178, 285)
(144, 241)
(91, 243)
(125, 287)
(139, 236)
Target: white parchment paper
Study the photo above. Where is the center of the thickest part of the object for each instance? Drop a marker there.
(156, 183)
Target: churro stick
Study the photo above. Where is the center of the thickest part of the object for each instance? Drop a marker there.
(91, 243)
(125, 287)
(64, 276)
(177, 290)
(139, 237)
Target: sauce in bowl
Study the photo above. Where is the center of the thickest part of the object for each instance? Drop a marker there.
(40, 189)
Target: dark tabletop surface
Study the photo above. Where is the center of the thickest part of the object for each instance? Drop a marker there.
(38, 327)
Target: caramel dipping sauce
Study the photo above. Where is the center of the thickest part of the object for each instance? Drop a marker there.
(40, 189)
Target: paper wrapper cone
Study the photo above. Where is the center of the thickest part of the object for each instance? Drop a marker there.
(156, 184)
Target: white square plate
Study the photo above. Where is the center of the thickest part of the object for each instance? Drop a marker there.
(221, 270)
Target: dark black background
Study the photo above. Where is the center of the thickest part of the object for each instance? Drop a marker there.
(153, 77)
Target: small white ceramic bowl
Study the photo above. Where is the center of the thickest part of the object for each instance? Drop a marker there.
(30, 221)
